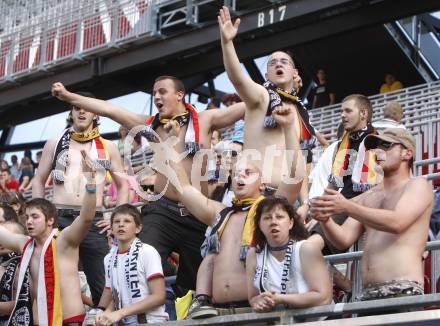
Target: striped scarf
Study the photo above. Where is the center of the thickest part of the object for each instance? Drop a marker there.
(98, 153)
(7, 280)
(48, 291)
(250, 205)
(351, 158)
(131, 275)
(192, 135)
(276, 98)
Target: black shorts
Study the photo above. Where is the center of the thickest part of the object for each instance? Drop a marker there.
(329, 249)
(169, 227)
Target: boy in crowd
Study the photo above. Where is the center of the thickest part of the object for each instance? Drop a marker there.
(134, 283)
(48, 277)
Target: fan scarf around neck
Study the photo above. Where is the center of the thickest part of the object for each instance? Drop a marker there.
(276, 98)
(190, 118)
(98, 153)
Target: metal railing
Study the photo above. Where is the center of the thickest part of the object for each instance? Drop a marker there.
(68, 30)
(38, 35)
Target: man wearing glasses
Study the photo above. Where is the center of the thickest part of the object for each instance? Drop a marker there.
(280, 90)
(394, 215)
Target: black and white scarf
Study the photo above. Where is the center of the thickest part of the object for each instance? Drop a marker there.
(22, 314)
(130, 270)
(7, 280)
(98, 153)
(276, 98)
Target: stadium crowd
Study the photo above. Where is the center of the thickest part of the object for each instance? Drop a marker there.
(234, 219)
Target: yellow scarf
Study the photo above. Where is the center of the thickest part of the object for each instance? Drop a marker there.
(85, 137)
(180, 117)
(248, 228)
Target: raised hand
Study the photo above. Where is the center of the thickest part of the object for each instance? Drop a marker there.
(228, 30)
(172, 128)
(59, 91)
(88, 168)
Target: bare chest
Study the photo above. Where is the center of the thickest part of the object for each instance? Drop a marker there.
(232, 234)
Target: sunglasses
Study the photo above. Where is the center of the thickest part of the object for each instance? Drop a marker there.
(228, 153)
(148, 187)
(385, 145)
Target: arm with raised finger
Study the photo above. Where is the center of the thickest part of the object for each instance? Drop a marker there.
(250, 92)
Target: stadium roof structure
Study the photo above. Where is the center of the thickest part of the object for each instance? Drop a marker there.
(114, 48)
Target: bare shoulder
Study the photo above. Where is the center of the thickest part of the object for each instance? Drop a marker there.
(310, 249)
(420, 183)
(371, 197)
(109, 144)
(51, 143)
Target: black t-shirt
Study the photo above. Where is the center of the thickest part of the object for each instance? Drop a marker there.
(322, 93)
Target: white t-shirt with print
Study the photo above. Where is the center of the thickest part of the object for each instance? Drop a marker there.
(149, 267)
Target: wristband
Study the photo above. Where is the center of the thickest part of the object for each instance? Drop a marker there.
(91, 188)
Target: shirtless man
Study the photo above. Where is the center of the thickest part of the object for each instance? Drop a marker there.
(61, 158)
(279, 90)
(395, 216)
(167, 226)
(58, 299)
(229, 274)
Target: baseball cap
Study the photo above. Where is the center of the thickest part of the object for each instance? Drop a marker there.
(392, 135)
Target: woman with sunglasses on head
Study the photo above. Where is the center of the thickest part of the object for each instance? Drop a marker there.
(283, 269)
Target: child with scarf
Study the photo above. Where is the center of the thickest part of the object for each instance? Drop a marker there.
(134, 283)
(283, 269)
(48, 275)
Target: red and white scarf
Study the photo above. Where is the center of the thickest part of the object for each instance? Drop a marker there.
(192, 135)
(48, 286)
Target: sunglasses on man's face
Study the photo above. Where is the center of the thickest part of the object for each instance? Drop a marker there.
(385, 145)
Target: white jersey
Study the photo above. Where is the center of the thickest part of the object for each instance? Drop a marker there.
(149, 267)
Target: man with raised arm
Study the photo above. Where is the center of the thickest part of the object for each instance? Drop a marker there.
(395, 216)
(48, 277)
(62, 159)
(233, 226)
(280, 90)
(167, 225)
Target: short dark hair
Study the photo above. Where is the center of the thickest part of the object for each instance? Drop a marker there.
(6, 170)
(233, 97)
(178, 84)
(129, 210)
(362, 102)
(298, 231)
(46, 207)
(8, 213)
